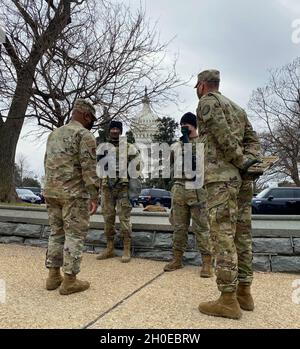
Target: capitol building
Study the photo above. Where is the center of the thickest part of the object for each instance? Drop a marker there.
(144, 127)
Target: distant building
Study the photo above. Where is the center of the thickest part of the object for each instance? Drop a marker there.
(144, 126)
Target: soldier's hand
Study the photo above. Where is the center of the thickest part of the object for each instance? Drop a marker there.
(93, 207)
(250, 176)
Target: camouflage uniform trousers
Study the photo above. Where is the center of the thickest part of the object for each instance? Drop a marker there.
(187, 204)
(229, 206)
(69, 222)
(110, 199)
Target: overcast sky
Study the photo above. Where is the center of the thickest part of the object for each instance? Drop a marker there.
(243, 39)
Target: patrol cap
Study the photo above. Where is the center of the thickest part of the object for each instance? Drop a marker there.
(84, 105)
(116, 124)
(211, 75)
(189, 118)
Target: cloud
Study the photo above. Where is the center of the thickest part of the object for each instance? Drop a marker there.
(33, 149)
(292, 5)
(243, 39)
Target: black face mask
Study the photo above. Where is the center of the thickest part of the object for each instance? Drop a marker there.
(185, 130)
(90, 125)
(185, 134)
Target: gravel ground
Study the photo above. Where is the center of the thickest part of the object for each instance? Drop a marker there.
(180, 293)
(29, 305)
(133, 295)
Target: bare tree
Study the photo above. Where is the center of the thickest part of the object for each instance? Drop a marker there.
(101, 52)
(22, 166)
(107, 57)
(277, 105)
(25, 44)
(23, 174)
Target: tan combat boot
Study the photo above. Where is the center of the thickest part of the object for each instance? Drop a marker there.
(226, 306)
(207, 270)
(176, 262)
(244, 297)
(108, 252)
(126, 253)
(72, 285)
(54, 279)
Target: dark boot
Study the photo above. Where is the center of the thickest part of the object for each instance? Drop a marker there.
(244, 297)
(72, 285)
(207, 270)
(108, 252)
(54, 279)
(126, 252)
(176, 262)
(226, 306)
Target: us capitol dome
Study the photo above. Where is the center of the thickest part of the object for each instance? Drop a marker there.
(144, 126)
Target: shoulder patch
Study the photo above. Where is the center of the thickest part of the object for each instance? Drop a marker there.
(205, 110)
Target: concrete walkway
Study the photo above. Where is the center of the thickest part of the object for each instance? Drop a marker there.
(133, 295)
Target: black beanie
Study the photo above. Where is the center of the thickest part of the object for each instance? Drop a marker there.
(117, 124)
(189, 118)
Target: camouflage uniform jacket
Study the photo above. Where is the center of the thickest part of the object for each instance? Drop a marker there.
(70, 163)
(228, 137)
(132, 153)
(177, 150)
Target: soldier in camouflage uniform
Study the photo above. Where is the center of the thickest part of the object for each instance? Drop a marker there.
(71, 190)
(186, 204)
(231, 147)
(115, 193)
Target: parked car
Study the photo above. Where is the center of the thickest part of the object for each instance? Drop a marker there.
(281, 201)
(134, 201)
(154, 196)
(37, 191)
(27, 195)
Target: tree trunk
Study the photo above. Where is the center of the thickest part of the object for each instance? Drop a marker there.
(11, 129)
(9, 136)
(7, 168)
(296, 180)
(295, 173)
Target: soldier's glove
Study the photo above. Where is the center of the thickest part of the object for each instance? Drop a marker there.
(247, 173)
(251, 176)
(248, 164)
